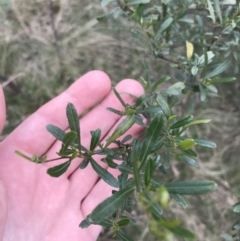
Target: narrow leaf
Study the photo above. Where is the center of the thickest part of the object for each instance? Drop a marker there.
(140, 37)
(218, 10)
(160, 81)
(124, 126)
(95, 139)
(236, 209)
(203, 92)
(181, 232)
(164, 105)
(126, 138)
(119, 97)
(104, 3)
(211, 11)
(73, 121)
(219, 69)
(84, 163)
(180, 200)
(123, 222)
(147, 71)
(222, 80)
(115, 111)
(135, 164)
(152, 134)
(56, 132)
(110, 205)
(182, 122)
(137, 2)
(196, 122)
(125, 169)
(205, 143)
(155, 208)
(149, 169)
(123, 236)
(59, 169)
(189, 50)
(191, 187)
(189, 161)
(104, 174)
(164, 26)
(68, 139)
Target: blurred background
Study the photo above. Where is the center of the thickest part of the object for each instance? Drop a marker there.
(46, 45)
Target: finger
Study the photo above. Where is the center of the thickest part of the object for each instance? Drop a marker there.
(31, 136)
(101, 118)
(98, 194)
(2, 109)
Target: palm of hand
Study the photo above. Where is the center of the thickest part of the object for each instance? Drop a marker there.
(35, 206)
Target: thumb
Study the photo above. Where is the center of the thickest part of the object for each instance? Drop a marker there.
(2, 109)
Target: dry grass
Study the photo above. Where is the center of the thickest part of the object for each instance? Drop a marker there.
(39, 60)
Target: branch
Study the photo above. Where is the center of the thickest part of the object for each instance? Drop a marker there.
(55, 34)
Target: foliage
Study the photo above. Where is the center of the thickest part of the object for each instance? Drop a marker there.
(194, 38)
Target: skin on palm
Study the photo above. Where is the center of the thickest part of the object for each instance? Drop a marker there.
(44, 208)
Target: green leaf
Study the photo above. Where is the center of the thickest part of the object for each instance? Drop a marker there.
(84, 163)
(137, 2)
(152, 134)
(126, 138)
(120, 234)
(115, 111)
(84, 224)
(155, 208)
(160, 81)
(149, 169)
(150, 110)
(175, 89)
(135, 163)
(180, 200)
(119, 97)
(181, 232)
(191, 187)
(164, 105)
(236, 209)
(95, 139)
(227, 237)
(196, 122)
(139, 36)
(186, 144)
(164, 26)
(124, 126)
(222, 80)
(166, 158)
(205, 143)
(124, 168)
(104, 174)
(104, 3)
(56, 132)
(189, 161)
(219, 69)
(123, 222)
(110, 205)
(211, 11)
(73, 121)
(182, 122)
(203, 92)
(68, 140)
(59, 169)
(147, 71)
(218, 10)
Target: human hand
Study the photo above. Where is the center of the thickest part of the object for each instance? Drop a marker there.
(37, 207)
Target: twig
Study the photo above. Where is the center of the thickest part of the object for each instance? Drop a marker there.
(55, 34)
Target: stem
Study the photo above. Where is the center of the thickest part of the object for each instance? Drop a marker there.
(55, 34)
